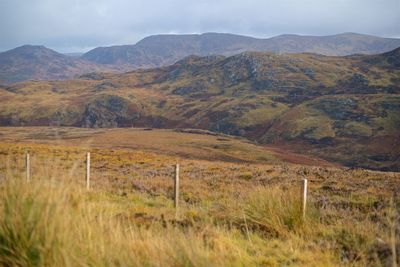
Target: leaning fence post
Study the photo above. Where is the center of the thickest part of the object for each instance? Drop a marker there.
(28, 167)
(88, 170)
(176, 186)
(304, 197)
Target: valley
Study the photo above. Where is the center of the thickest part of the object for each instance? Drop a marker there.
(185, 143)
(199, 133)
(342, 109)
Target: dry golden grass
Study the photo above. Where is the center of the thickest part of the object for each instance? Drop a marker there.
(160, 141)
(232, 213)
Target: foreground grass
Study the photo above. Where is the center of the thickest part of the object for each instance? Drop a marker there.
(231, 214)
(48, 224)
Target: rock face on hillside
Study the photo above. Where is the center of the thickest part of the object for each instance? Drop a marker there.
(344, 109)
(107, 111)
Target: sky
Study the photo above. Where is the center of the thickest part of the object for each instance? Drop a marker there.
(80, 25)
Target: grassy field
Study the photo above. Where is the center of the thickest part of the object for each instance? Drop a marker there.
(240, 203)
(187, 143)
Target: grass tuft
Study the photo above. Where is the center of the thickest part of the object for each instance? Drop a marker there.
(276, 211)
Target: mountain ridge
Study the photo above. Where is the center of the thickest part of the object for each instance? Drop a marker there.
(343, 109)
(166, 49)
(40, 63)
(37, 62)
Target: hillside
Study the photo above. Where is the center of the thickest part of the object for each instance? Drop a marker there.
(343, 109)
(40, 63)
(162, 50)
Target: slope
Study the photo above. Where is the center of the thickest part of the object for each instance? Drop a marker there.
(345, 109)
(40, 63)
(162, 50)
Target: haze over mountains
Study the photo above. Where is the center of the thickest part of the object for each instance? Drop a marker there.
(40, 63)
(161, 50)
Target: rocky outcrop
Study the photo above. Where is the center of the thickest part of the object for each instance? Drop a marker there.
(110, 111)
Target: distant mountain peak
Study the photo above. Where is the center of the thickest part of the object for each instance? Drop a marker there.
(29, 62)
(353, 34)
(32, 48)
(166, 49)
(39, 62)
(29, 46)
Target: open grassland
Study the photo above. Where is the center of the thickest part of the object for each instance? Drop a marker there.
(187, 143)
(235, 209)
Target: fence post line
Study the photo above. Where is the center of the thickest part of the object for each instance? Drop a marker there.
(304, 196)
(176, 186)
(28, 167)
(88, 170)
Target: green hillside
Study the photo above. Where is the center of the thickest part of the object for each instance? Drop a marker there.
(345, 109)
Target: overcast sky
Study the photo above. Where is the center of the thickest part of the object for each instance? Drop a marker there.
(79, 25)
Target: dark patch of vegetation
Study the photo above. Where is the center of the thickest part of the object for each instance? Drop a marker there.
(110, 111)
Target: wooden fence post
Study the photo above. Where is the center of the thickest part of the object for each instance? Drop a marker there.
(304, 197)
(88, 170)
(176, 186)
(28, 167)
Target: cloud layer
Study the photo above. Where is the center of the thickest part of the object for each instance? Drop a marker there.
(78, 25)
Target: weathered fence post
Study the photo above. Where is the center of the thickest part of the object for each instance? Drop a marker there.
(392, 214)
(28, 167)
(88, 170)
(176, 186)
(304, 197)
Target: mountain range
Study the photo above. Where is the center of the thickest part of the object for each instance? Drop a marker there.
(162, 50)
(40, 63)
(340, 108)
